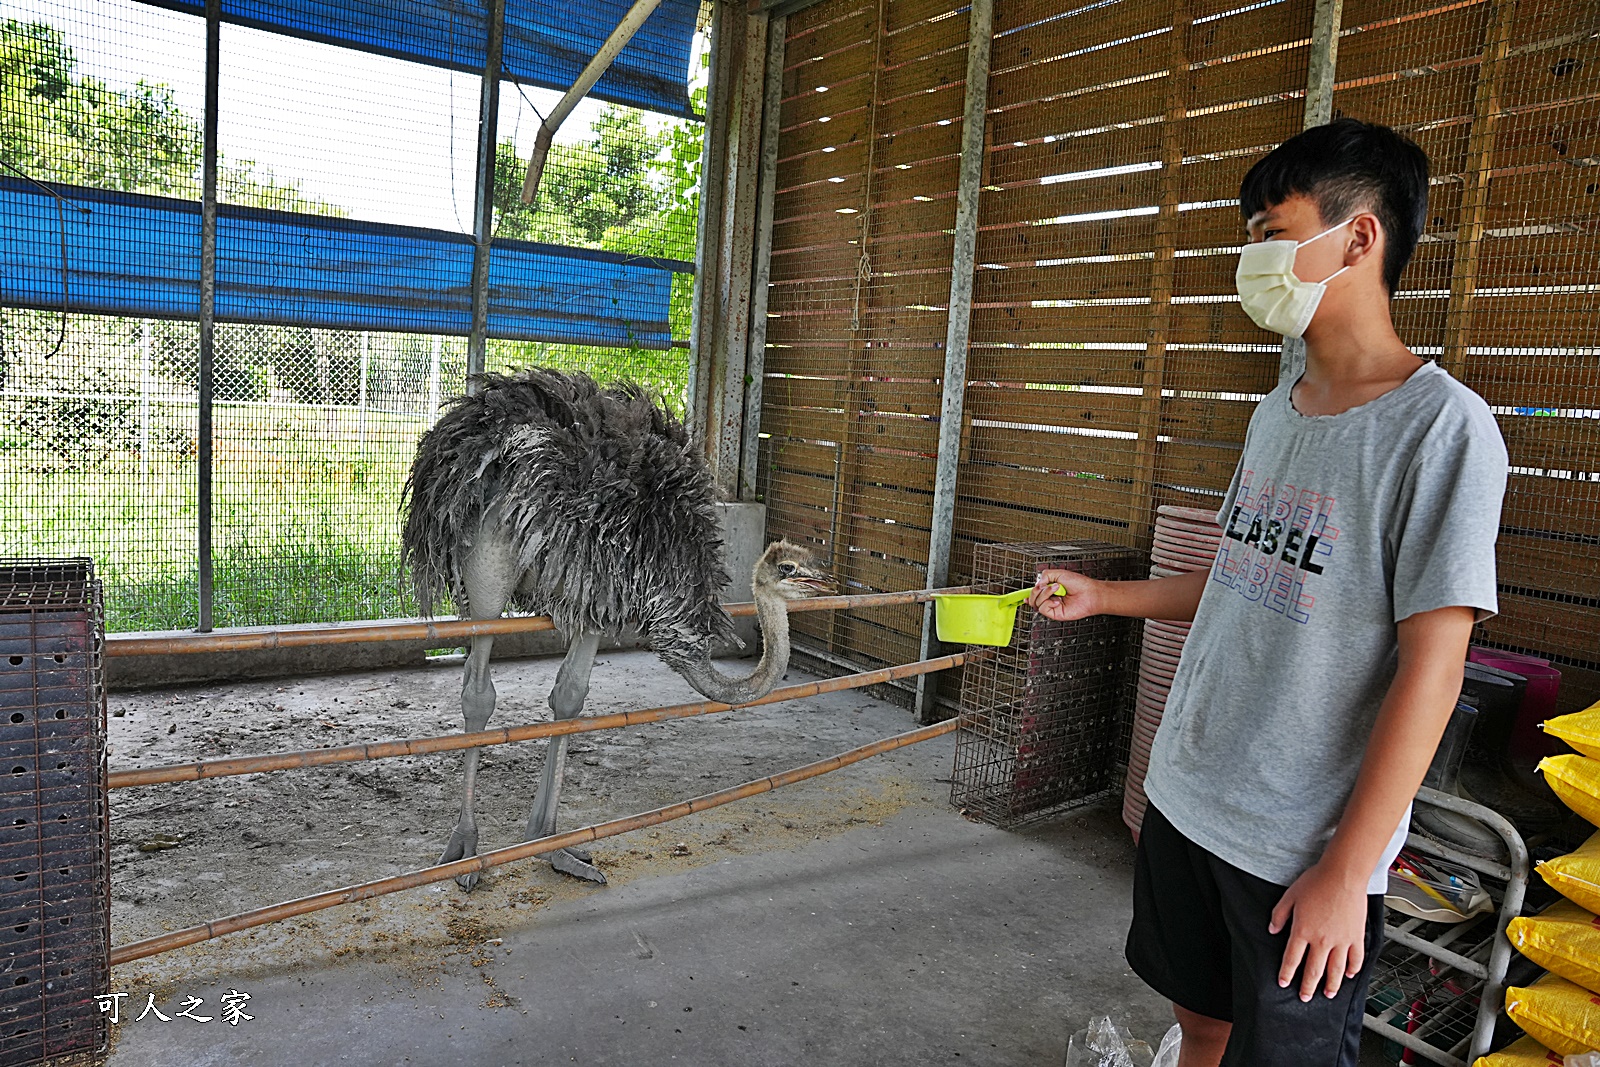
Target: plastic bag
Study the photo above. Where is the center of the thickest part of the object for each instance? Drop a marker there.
(1576, 875)
(1586, 1059)
(1563, 939)
(1576, 780)
(1167, 1054)
(1524, 1052)
(1561, 1015)
(1105, 1044)
(1581, 730)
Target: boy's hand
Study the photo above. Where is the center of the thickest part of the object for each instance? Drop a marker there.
(1329, 930)
(1080, 599)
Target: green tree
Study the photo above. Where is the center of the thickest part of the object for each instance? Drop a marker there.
(589, 190)
(59, 125)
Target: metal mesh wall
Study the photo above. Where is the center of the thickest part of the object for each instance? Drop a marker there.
(1110, 368)
(314, 427)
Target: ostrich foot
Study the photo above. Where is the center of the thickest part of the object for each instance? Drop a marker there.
(463, 843)
(577, 863)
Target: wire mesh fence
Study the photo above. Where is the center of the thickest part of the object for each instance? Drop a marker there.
(1503, 96)
(1110, 368)
(346, 182)
(1045, 720)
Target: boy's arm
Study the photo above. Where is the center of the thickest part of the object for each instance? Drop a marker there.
(1157, 598)
(1328, 903)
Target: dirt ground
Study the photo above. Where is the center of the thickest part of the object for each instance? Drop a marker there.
(188, 852)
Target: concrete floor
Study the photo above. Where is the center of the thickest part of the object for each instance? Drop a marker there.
(900, 934)
(927, 939)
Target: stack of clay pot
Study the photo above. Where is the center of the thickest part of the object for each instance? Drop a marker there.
(1186, 540)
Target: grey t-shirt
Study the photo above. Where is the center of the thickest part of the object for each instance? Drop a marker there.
(1336, 528)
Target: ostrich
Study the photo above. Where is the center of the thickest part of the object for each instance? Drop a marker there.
(545, 492)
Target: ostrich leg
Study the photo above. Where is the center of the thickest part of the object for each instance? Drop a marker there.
(489, 573)
(566, 701)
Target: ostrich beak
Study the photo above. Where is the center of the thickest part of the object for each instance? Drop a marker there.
(822, 584)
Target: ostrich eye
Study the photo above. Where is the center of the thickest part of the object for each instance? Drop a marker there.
(786, 569)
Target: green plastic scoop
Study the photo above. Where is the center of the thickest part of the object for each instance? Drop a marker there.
(977, 619)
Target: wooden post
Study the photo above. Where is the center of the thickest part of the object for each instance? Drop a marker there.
(1475, 192)
(980, 37)
(1323, 62)
(708, 264)
(766, 198)
(728, 333)
(1163, 271)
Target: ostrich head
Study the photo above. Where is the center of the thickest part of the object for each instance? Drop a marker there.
(790, 572)
(784, 572)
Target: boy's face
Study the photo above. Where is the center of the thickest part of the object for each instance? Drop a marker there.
(1297, 219)
(1359, 292)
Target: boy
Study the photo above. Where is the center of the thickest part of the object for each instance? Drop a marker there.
(1329, 635)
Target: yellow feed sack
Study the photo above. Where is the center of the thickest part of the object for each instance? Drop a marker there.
(1565, 940)
(1524, 1052)
(1559, 1014)
(1581, 730)
(1576, 875)
(1576, 780)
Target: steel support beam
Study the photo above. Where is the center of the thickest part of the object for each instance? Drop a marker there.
(725, 28)
(205, 455)
(597, 65)
(980, 36)
(766, 195)
(483, 194)
(1323, 67)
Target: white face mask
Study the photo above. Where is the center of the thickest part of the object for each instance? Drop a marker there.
(1270, 293)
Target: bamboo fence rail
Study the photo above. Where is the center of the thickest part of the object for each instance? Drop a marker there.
(447, 632)
(317, 757)
(176, 939)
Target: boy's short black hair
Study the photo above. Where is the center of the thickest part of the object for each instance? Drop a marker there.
(1346, 166)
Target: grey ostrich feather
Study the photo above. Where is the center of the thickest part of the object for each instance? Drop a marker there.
(606, 499)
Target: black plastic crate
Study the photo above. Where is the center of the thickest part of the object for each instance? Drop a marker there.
(55, 893)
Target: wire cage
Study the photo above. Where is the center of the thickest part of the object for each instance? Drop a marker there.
(1043, 720)
(55, 904)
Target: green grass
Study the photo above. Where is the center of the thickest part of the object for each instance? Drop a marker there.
(305, 520)
(323, 581)
(305, 513)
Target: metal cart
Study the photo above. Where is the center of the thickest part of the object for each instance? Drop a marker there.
(1437, 987)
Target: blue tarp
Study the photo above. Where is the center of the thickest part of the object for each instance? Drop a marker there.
(546, 44)
(137, 255)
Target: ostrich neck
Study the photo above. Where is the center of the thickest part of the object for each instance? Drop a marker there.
(773, 615)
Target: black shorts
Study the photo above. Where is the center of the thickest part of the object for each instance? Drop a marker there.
(1199, 938)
